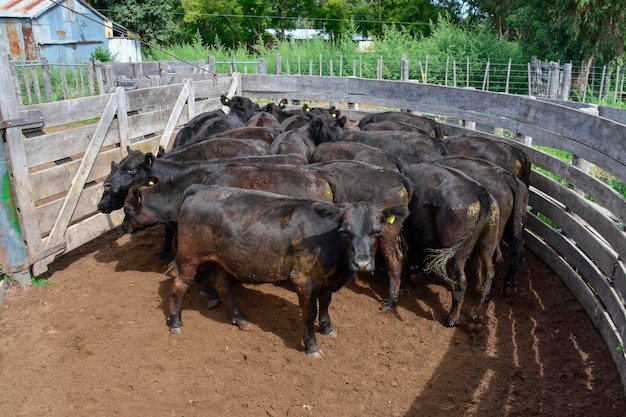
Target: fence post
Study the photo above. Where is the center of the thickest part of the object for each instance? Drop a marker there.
(211, 64)
(616, 83)
(566, 84)
(468, 124)
(11, 238)
(47, 84)
(404, 68)
(262, 66)
(577, 161)
(277, 64)
(508, 77)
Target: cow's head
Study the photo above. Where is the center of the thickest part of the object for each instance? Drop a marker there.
(361, 226)
(133, 169)
(242, 107)
(327, 127)
(138, 215)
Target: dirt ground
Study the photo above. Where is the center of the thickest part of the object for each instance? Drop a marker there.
(94, 342)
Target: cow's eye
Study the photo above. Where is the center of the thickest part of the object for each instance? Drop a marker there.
(131, 171)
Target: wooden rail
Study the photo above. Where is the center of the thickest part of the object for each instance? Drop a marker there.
(575, 225)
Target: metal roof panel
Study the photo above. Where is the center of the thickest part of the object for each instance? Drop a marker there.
(24, 8)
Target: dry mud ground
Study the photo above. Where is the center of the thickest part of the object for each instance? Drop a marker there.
(94, 342)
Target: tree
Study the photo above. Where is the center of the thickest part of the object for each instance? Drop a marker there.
(562, 29)
(153, 20)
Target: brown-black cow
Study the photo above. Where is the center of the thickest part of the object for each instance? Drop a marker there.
(512, 197)
(219, 147)
(258, 237)
(453, 223)
(353, 181)
(498, 151)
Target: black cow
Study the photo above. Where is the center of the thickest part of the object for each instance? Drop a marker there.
(499, 151)
(194, 126)
(241, 109)
(259, 237)
(219, 147)
(410, 147)
(426, 124)
(264, 133)
(453, 222)
(355, 151)
(263, 118)
(512, 197)
(319, 128)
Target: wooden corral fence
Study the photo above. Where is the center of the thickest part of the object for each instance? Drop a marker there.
(55, 176)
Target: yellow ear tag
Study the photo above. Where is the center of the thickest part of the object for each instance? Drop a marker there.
(391, 219)
(334, 115)
(226, 100)
(150, 183)
(138, 200)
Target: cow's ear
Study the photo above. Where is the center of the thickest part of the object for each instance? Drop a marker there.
(283, 103)
(395, 214)
(114, 166)
(326, 210)
(306, 108)
(161, 152)
(129, 149)
(341, 122)
(225, 100)
(335, 113)
(153, 180)
(150, 159)
(137, 194)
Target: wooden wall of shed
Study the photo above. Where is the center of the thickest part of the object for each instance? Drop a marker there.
(585, 242)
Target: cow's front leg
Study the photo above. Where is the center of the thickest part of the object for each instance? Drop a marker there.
(180, 284)
(308, 306)
(324, 318)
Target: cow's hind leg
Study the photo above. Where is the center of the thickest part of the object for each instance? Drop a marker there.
(183, 279)
(484, 277)
(458, 286)
(166, 247)
(221, 280)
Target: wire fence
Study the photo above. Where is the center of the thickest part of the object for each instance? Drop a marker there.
(39, 82)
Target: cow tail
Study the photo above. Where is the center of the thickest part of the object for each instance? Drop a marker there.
(519, 220)
(437, 259)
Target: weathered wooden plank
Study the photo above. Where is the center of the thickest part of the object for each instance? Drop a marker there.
(70, 111)
(57, 179)
(580, 232)
(17, 167)
(587, 299)
(167, 139)
(619, 280)
(122, 122)
(586, 210)
(599, 191)
(586, 271)
(87, 205)
(164, 96)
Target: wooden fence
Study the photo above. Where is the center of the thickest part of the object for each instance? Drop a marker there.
(575, 225)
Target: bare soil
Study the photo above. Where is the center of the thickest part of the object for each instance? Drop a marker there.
(94, 342)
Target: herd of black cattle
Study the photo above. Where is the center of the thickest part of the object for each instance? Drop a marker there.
(265, 194)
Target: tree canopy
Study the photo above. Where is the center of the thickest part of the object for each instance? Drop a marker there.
(559, 30)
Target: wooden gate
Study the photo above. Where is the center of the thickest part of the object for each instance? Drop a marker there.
(57, 155)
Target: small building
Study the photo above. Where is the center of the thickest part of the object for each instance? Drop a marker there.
(62, 31)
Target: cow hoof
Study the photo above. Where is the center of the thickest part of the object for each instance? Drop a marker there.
(243, 325)
(316, 354)
(388, 306)
(176, 330)
(212, 303)
(475, 326)
(331, 334)
(449, 322)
